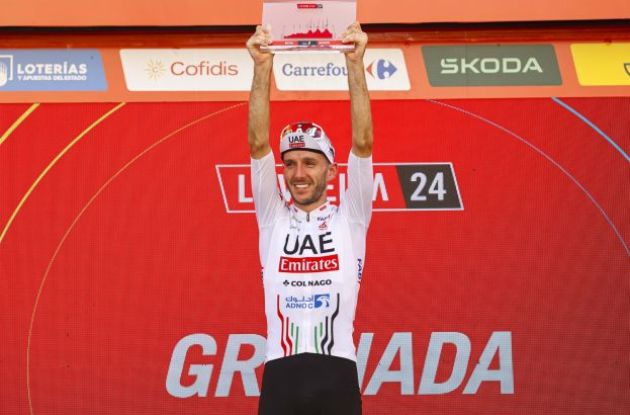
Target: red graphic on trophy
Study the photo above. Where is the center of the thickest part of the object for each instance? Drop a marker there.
(307, 26)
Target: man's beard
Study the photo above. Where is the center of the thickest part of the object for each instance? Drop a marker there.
(317, 193)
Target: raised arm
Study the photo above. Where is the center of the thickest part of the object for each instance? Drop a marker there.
(362, 135)
(258, 121)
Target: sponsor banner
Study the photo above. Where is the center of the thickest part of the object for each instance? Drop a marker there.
(471, 71)
(602, 63)
(51, 70)
(491, 65)
(385, 69)
(187, 69)
(397, 187)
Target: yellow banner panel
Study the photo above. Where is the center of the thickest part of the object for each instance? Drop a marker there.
(602, 63)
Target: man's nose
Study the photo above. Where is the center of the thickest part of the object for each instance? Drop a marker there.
(299, 170)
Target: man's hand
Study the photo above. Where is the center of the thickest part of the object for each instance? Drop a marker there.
(262, 37)
(355, 35)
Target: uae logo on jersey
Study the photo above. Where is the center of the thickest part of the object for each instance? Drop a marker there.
(296, 245)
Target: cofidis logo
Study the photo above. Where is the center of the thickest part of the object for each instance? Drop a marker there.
(51, 70)
(187, 69)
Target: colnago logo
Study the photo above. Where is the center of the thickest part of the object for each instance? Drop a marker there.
(470, 367)
(490, 65)
(307, 283)
(314, 301)
(397, 187)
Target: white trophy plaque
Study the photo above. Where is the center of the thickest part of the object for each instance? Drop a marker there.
(308, 25)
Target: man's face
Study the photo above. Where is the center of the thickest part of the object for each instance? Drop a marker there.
(307, 174)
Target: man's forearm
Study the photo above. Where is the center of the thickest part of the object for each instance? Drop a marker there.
(361, 112)
(258, 122)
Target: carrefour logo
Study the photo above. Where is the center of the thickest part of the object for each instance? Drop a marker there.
(325, 69)
(378, 69)
(386, 70)
(381, 69)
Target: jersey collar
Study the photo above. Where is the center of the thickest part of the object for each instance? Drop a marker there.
(320, 214)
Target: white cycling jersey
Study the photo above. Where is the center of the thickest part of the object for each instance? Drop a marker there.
(312, 262)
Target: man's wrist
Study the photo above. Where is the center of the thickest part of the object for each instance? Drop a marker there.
(262, 72)
(354, 63)
(355, 67)
(263, 67)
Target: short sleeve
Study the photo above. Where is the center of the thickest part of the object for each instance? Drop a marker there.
(357, 201)
(267, 198)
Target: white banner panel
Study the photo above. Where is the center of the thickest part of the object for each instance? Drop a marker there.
(385, 69)
(187, 69)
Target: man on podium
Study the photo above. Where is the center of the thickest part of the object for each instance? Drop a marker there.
(312, 252)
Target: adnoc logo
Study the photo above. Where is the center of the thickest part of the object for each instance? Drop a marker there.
(381, 69)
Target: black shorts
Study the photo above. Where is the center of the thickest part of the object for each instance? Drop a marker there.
(310, 384)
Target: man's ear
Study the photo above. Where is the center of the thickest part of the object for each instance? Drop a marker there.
(332, 172)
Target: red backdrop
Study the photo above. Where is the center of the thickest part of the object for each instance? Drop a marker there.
(118, 245)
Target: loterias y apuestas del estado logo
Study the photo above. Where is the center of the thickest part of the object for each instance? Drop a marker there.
(51, 70)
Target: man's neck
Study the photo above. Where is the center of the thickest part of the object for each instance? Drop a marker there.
(311, 207)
